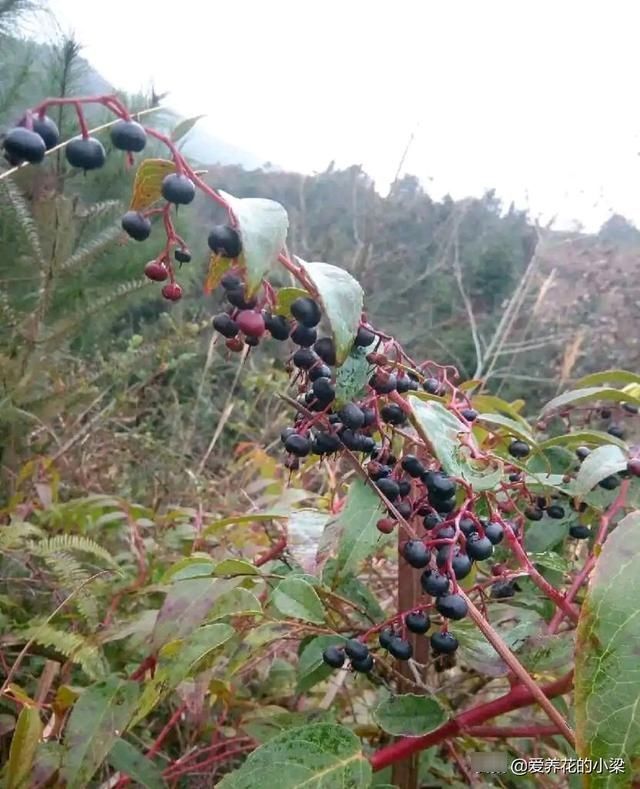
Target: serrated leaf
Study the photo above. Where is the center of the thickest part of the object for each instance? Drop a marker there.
(298, 599)
(128, 760)
(322, 756)
(184, 127)
(24, 745)
(187, 605)
(311, 668)
(263, 226)
(342, 299)
(359, 537)
(147, 185)
(409, 715)
(101, 713)
(441, 428)
(576, 396)
(304, 530)
(607, 673)
(352, 376)
(285, 298)
(602, 462)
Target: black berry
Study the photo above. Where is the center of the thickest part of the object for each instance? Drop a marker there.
(416, 553)
(364, 337)
(616, 430)
(326, 444)
(306, 311)
(533, 514)
(434, 583)
(356, 650)
(298, 445)
(304, 336)
(609, 483)
(468, 527)
(494, 532)
(24, 145)
(432, 520)
(519, 449)
(137, 226)
(432, 386)
(417, 622)
(444, 505)
(389, 488)
(392, 414)
(277, 326)
(583, 452)
(439, 485)
(351, 416)
(385, 636)
(470, 414)
(227, 327)
(400, 649)
(182, 255)
(334, 657)
(225, 241)
(363, 666)
(502, 589)
(412, 466)
(321, 371)
(479, 548)
(579, 532)
(555, 511)
(85, 154)
(47, 129)
(231, 282)
(326, 350)
(304, 358)
(383, 383)
(443, 643)
(452, 606)
(178, 189)
(128, 136)
(323, 390)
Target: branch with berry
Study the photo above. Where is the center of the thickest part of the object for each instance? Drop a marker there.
(459, 476)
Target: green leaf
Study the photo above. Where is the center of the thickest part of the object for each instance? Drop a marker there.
(609, 376)
(128, 760)
(543, 535)
(322, 756)
(358, 534)
(265, 723)
(601, 463)
(263, 226)
(179, 660)
(311, 667)
(607, 669)
(304, 530)
(495, 405)
(101, 713)
(360, 593)
(342, 298)
(187, 605)
(409, 715)
(23, 748)
(550, 560)
(576, 396)
(516, 429)
(582, 438)
(189, 567)
(441, 429)
(235, 602)
(235, 567)
(543, 652)
(298, 599)
(184, 127)
(352, 377)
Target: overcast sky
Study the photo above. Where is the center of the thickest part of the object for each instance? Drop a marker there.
(536, 98)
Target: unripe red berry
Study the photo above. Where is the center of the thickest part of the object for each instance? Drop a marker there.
(172, 291)
(156, 271)
(386, 525)
(235, 344)
(251, 323)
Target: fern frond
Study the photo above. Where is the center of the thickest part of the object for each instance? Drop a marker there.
(92, 249)
(71, 542)
(13, 535)
(24, 217)
(71, 575)
(8, 317)
(100, 210)
(76, 648)
(68, 326)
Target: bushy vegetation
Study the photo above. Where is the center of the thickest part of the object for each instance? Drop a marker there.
(318, 542)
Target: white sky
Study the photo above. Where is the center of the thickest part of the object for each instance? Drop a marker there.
(537, 98)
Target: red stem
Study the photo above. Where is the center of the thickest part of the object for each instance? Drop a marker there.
(502, 732)
(272, 553)
(517, 697)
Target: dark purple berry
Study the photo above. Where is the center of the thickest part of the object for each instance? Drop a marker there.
(298, 445)
(178, 189)
(434, 583)
(417, 622)
(225, 241)
(356, 650)
(303, 336)
(306, 311)
(443, 643)
(452, 606)
(326, 350)
(85, 154)
(224, 324)
(416, 553)
(136, 226)
(128, 136)
(334, 657)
